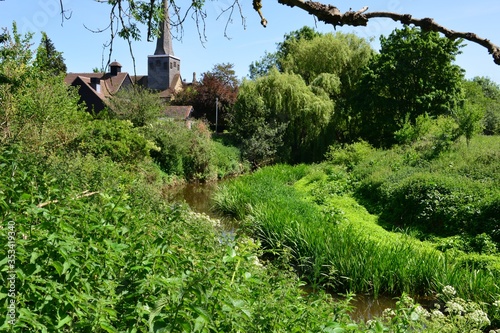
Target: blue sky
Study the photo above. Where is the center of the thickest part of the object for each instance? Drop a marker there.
(83, 50)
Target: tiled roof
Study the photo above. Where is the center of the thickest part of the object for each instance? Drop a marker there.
(110, 84)
(178, 112)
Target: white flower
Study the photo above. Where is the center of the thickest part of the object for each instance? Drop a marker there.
(449, 291)
(371, 323)
(478, 317)
(437, 314)
(454, 307)
(421, 311)
(388, 313)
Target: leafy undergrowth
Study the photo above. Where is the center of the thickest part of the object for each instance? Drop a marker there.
(308, 214)
(112, 259)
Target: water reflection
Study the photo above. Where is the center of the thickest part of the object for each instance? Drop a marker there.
(197, 195)
(366, 307)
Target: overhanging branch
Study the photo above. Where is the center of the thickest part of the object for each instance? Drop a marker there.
(332, 15)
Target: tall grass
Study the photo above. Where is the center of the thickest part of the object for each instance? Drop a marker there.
(339, 244)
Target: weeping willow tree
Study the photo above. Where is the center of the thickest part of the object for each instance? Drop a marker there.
(279, 118)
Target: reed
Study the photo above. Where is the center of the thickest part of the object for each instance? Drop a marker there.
(347, 251)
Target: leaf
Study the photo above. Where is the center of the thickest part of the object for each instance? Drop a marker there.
(58, 266)
(66, 265)
(34, 256)
(107, 327)
(63, 321)
(199, 323)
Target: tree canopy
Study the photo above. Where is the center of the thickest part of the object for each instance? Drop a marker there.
(281, 116)
(221, 85)
(413, 75)
(48, 58)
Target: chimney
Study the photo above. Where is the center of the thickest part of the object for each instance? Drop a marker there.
(194, 77)
(95, 83)
(115, 68)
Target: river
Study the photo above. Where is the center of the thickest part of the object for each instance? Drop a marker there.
(198, 197)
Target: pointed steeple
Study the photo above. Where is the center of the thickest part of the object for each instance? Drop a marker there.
(164, 42)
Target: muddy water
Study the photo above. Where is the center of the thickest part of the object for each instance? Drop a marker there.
(198, 197)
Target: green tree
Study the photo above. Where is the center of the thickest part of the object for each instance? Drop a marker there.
(413, 75)
(48, 59)
(468, 119)
(37, 110)
(280, 105)
(16, 56)
(486, 93)
(283, 49)
(334, 62)
(329, 62)
(137, 104)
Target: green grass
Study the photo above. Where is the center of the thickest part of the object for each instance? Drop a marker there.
(334, 241)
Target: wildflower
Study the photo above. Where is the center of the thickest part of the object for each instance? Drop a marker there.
(421, 311)
(407, 301)
(449, 291)
(454, 307)
(388, 313)
(479, 318)
(371, 323)
(437, 314)
(496, 303)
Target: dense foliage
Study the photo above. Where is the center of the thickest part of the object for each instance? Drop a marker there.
(425, 223)
(330, 64)
(213, 97)
(278, 117)
(136, 104)
(48, 59)
(413, 75)
(94, 247)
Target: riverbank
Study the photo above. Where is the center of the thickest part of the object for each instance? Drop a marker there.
(310, 215)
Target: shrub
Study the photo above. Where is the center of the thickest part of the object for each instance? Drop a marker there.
(114, 138)
(187, 153)
(138, 105)
(350, 155)
(37, 109)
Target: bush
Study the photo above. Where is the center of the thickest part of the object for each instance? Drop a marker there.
(183, 152)
(114, 138)
(350, 155)
(138, 105)
(453, 193)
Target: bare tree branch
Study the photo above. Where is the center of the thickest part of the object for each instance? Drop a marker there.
(323, 12)
(332, 15)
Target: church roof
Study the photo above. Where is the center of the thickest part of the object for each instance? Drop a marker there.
(164, 41)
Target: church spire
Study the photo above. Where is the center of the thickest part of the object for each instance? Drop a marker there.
(164, 42)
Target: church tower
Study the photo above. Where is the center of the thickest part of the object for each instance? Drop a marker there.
(163, 66)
